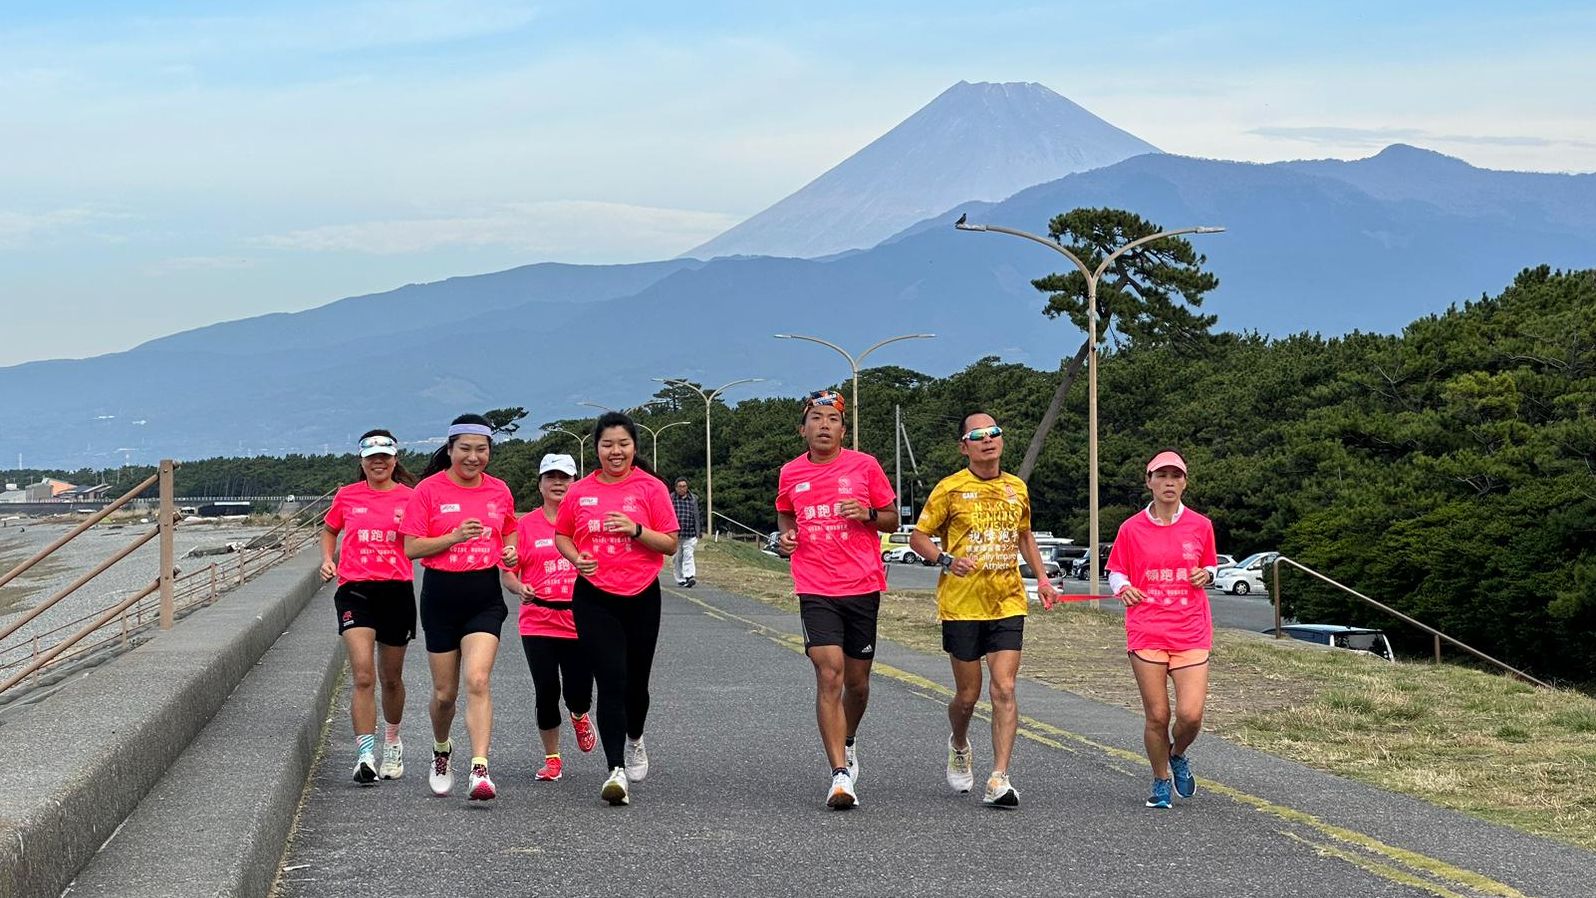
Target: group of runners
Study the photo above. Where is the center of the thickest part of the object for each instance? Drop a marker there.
(585, 563)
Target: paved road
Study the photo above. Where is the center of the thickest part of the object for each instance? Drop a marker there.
(734, 803)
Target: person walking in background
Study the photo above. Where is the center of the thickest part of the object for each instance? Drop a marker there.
(461, 524)
(1162, 561)
(615, 526)
(686, 503)
(376, 600)
(982, 515)
(832, 504)
(543, 580)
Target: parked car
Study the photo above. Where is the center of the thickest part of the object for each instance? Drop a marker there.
(890, 541)
(1225, 560)
(771, 543)
(1079, 567)
(1356, 639)
(1239, 581)
(1054, 574)
(902, 555)
(1257, 561)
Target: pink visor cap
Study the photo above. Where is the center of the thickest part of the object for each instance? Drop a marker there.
(1167, 460)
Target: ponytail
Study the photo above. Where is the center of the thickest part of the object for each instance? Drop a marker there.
(440, 458)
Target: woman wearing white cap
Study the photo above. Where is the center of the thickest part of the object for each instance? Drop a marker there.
(461, 524)
(543, 580)
(1162, 560)
(375, 601)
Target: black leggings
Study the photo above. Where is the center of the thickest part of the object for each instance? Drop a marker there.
(554, 659)
(618, 634)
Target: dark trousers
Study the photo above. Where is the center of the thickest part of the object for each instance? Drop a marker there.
(554, 660)
(618, 634)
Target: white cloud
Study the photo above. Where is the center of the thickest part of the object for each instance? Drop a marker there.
(180, 264)
(17, 228)
(552, 227)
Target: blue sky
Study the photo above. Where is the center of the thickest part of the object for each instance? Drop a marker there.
(168, 165)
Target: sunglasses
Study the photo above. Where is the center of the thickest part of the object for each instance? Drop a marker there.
(983, 433)
(379, 443)
(824, 397)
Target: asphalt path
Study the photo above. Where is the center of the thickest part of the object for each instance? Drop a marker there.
(734, 802)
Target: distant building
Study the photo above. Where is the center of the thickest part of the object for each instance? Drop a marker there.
(13, 494)
(48, 488)
(98, 491)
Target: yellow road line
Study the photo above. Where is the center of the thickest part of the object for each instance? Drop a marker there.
(1381, 870)
(1056, 737)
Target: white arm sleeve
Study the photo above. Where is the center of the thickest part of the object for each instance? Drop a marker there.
(1117, 582)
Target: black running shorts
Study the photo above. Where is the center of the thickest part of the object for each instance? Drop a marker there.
(847, 621)
(971, 640)
(387, 606)
(455, 603)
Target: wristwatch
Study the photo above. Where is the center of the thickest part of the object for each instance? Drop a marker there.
(639, 532)
(945, 561)
(873, 513)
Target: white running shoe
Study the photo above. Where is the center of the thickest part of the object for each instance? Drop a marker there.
(841, 796)
(393, 760)
(479, 786)
(440, 778)
(366, 769)
(852, 754)
(1000, 793)
(617, 791)
(961, 772)
(636, 760)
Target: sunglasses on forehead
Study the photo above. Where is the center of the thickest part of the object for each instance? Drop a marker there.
(379, 443)
(983, 433)
(824, 397)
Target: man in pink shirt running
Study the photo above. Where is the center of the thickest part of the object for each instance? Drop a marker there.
(831, 505)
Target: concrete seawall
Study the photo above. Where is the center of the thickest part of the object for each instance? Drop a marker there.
(80, 762)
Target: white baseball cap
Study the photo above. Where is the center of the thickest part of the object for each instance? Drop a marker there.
(565, 464)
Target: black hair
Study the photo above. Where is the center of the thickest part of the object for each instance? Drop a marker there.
(623, 420)
(965, 419)
(440, 459)
(400, 475)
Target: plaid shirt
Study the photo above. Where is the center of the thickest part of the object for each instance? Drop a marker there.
(687, 516)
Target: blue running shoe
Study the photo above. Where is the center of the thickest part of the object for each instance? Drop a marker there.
(1161, 797)
(1185, 783)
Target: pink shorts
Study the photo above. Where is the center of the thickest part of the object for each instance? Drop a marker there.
(1172, 660)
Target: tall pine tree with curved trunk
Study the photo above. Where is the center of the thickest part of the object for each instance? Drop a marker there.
(1149, 297)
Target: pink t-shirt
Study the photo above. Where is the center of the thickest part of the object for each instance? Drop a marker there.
(549, 573)
(625, 565)
(1159, 560)
(439, 505)
(835, 556)
(370, 547)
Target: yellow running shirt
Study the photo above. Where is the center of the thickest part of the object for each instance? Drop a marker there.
(981, 520)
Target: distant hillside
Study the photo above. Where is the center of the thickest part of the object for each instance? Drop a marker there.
(973, 142)
(1304, 251)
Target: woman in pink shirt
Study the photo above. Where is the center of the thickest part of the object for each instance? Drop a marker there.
(616, 526)
(461, 524)
(1161, 563)
(544, 580)
(375, 601)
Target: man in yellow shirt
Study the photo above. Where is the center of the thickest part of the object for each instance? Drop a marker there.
(983, 517)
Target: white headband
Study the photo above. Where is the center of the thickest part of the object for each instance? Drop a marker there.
(477, 429)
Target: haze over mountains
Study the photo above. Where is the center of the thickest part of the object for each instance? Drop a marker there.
(1325, 246)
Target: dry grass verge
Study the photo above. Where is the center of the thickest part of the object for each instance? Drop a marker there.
(1472, 741)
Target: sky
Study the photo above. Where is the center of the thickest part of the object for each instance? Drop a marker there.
(166, 165)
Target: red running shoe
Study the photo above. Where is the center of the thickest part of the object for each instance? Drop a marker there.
(585, 737)
(550, 771)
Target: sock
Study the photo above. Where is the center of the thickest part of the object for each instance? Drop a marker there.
(553, 757)
(390, 733)
(848, 742)
(479, 760)
(837, 770)
(365, 743)
(443, 747)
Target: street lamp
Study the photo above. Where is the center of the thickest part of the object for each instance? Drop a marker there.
(709, 458)
(854, 363)
(581, 443)
(653, 432)
(1092, 276)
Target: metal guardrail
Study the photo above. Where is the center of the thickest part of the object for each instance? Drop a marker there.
(759, 533)
(1437, 635)
(170, 595)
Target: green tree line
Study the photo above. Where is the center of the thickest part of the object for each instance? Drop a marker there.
(1449, 470)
